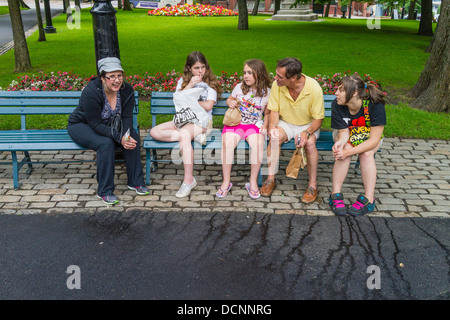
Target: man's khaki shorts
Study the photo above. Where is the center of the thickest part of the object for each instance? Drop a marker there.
(292, 130)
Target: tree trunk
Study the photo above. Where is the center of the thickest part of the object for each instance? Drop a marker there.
(327, 10)
(243, 15)
(426, 20)
(126, 5)
(68, 10)
(23, 4)
(433, 87)
(77, 4)
(255, 8)
(412, 6)
(39, 19)
(277, 6)
(119, 4)
(21, 54)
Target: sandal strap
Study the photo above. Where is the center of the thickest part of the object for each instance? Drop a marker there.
(252, 193)
(223, 191)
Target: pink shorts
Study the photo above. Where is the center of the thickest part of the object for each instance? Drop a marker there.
(244, 130)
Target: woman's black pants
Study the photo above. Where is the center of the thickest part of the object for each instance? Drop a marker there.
(105, 147)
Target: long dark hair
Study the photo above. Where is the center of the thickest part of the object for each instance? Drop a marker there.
(210, 78)
(261, 75)
(365, 91)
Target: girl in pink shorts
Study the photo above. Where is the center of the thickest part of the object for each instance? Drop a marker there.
(251, 97)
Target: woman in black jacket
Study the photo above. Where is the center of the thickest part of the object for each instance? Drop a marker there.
(101, 121)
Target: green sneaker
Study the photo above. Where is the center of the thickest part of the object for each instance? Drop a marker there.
(110, 200)
(141, 190)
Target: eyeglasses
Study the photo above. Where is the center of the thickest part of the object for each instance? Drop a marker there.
(113, 78)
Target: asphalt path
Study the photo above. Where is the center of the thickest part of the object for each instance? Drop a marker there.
(29, 20)
(222, 256)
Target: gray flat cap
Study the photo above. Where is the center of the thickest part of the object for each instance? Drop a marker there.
(109, 64)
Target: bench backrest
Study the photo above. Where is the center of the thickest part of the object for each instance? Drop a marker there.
(162, 104)
(25, 103)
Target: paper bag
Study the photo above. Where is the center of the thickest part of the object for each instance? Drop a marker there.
(298, 160)
(232, 117)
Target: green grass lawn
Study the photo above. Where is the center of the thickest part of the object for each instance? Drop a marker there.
(5, 10)
(393, 54)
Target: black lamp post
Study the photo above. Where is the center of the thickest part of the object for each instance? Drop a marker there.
(344, 10)
(403, 10)
(350, 11)
(105, 30)
(49, 28)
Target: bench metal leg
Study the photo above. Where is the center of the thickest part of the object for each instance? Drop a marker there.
(148, 164)
(15, 170)
(151, 164)
(28, 159)
(154, 163)
(260, 182)
(18, 165)
(357, 168)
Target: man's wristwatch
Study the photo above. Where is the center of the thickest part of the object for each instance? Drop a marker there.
(307, 133)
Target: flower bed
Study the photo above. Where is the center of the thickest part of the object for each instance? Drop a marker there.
(329, 84)
(189, 10)
(146, 83)
(59, 81)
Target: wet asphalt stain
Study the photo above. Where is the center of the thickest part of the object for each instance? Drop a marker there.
(149, 255)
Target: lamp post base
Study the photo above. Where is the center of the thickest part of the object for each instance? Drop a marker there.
(50, 29)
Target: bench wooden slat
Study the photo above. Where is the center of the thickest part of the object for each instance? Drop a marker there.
(169, 103)
(38, 135)
(35, 111)
(38, 102)
(61, 96)
(44, 93)
(48, 146)
(169, 95)
(39, 94)
(171, 110)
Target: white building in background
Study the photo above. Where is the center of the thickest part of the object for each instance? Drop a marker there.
(435, 6)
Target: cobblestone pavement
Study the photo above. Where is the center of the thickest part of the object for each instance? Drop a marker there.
(413, 181)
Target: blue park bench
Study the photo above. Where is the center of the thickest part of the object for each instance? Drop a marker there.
(162, 104)
(28, 103)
